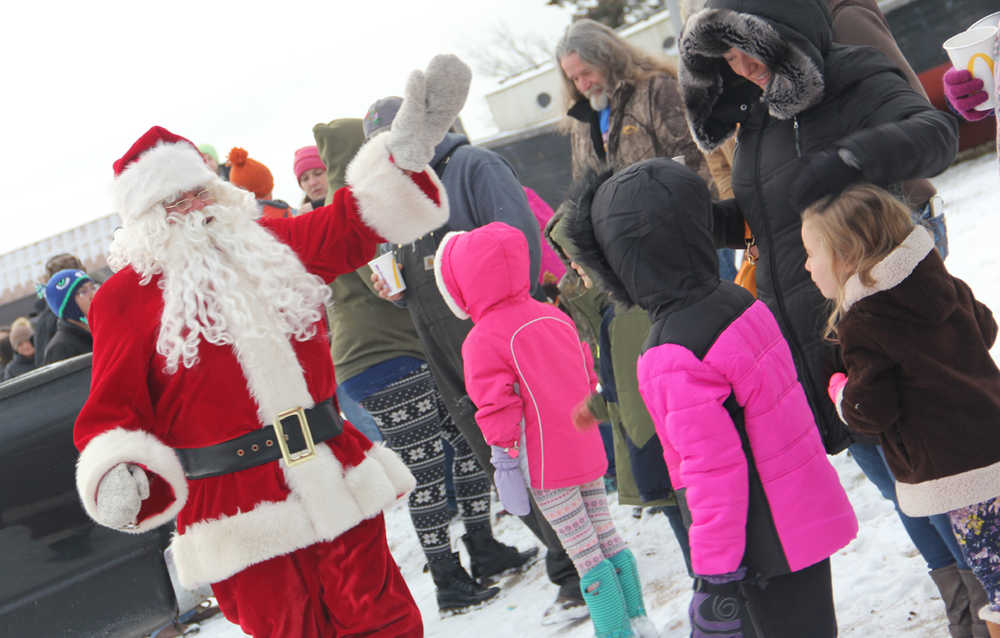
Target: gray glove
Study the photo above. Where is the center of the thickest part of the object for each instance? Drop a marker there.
(432, 102)
(120, 494)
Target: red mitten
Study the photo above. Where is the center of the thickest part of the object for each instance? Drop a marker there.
(836, 390)
(582, 417)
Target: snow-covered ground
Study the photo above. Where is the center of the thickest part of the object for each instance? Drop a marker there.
(880, 581)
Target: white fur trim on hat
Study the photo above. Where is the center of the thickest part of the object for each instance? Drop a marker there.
(449, 299)
(388, 200)
(119, 445)
(893, 269)
(158, 174)
(325, 501)
(937, 496)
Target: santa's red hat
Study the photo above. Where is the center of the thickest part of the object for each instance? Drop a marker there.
(158, 166)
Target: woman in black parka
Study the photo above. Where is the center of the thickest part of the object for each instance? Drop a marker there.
(811, 117)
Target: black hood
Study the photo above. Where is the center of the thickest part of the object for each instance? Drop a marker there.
(646, 234)
(792, 37)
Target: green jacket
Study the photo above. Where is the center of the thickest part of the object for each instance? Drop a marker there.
(364, 329)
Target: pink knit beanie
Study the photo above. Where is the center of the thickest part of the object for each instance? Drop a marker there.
(306, 159)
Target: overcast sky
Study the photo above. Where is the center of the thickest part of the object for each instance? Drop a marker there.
(82, 80)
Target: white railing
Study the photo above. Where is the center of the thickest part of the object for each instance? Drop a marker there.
(21, 269)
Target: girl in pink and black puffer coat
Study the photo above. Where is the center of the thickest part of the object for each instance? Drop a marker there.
(764, 507)
(527, 372)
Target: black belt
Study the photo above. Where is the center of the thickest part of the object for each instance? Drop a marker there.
(301, 429)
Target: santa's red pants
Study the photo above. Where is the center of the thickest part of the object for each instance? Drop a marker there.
(350, 586)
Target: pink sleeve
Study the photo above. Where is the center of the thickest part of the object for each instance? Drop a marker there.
(685, 399)
(490, 380)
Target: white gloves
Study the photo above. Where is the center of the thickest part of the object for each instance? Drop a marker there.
(120, 494)
(432, 102)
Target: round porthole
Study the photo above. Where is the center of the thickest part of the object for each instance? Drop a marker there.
(543, 99)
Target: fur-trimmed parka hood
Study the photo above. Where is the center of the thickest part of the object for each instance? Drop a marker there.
(791, 37)
(645, 234)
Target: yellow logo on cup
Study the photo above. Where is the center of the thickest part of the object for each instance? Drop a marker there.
(987, 59)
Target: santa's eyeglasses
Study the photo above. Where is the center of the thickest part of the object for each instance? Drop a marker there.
(184, 204)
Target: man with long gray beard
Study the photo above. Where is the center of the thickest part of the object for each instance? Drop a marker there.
(211, 396)
(623, 103)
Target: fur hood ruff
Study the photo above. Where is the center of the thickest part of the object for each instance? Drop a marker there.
(796, 83)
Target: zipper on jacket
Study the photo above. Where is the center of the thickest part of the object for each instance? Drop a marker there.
(795, 127)
(793, 343)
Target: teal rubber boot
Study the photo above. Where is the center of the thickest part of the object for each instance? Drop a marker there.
(628, 577)
(606, 602)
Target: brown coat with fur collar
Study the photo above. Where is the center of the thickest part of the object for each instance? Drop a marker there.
(916, 345)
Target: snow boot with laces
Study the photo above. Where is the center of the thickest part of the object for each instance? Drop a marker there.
(489, 557)
(457, 592)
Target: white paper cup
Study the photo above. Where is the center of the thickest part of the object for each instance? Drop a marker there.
(975, 50)
(385, 266)
(991, 20)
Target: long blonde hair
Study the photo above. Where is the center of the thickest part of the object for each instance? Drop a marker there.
(860, 227)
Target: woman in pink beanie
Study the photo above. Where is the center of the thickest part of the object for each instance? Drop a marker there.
(310, 172)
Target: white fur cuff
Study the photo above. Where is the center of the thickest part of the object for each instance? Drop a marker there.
(129, 446)
(388, 200)
(989, 615)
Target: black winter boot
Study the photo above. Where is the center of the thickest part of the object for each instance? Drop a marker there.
(490, 557)
(457, 592)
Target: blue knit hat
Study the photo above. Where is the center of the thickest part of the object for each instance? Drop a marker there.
(61, 289)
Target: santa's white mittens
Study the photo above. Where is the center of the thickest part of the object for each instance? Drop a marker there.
(120, 495)
(431, 104)
(128, 447)
(389, 201)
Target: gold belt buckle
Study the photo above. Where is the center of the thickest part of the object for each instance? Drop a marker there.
(301, 456)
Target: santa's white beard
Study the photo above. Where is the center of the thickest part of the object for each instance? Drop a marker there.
(224, 279)
(598, 100)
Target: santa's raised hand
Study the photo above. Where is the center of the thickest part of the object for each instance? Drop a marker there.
(431, 103)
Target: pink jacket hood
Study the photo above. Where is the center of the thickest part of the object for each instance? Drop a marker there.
(479, 269)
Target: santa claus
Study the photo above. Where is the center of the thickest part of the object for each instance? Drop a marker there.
(212, 392)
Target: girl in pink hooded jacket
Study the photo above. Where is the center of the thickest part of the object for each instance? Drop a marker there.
(764, 507)
(527, 372)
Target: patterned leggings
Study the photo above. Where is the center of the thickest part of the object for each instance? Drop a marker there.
(581, 519)
(414, 419)
(977, 528)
